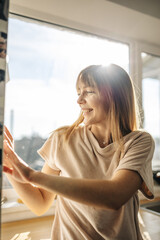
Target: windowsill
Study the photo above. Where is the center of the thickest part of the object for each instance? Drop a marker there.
(12, 210)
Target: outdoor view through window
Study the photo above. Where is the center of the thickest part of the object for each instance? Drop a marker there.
(151, 101)
(44, 61)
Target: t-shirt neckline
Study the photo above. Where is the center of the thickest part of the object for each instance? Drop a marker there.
(94, 141)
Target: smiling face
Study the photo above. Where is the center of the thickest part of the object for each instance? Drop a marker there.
(107, 100)
(91, 105)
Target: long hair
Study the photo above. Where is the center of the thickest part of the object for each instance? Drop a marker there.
(118, 97)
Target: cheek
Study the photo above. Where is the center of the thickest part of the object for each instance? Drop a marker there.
(95, 101)
(99, 104)
(105, 105)
(101, 109)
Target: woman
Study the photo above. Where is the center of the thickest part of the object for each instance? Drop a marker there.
(95, 167)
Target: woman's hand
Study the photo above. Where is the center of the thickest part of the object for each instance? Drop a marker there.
(14, 165)
(8, 137)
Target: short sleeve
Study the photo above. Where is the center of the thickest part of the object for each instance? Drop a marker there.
(49, 149)
(138, 157)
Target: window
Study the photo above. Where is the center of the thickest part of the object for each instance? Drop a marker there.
(44, 62)
(151, 101)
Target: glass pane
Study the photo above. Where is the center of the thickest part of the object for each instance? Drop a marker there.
(151, 101)
(44, 62)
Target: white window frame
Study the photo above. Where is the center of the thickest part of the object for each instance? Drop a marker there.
(146, 48)
(153, 50)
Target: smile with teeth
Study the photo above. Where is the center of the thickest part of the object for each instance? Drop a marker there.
(85, 111)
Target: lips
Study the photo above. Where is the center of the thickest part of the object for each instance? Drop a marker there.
(86, 110)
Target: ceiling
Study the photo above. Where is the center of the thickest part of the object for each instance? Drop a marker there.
(149, 7)
(123, 20)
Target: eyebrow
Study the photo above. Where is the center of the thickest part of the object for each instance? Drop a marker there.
(85, 87)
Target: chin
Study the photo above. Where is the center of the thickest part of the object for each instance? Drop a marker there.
(86, 123)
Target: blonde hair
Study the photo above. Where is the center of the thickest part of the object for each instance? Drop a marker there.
(118, 96)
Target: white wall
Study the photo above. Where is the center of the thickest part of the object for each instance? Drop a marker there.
(95, 16)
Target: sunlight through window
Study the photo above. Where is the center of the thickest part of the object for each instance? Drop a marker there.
(44, 62)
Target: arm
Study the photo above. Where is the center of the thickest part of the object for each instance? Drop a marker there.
(37, 199)
(106, 194)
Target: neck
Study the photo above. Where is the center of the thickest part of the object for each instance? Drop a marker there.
(102, 134)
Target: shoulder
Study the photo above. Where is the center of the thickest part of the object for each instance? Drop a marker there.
(60, 133)
(78, 133)
(139, 135)
(140, 140)
(56, 134)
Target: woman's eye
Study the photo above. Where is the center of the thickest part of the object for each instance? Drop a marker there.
(90, 91)
(85, 93)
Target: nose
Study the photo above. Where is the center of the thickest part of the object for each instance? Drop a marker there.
(81, 99)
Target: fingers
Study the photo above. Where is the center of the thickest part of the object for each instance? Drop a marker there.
(8, 140)
(6, 146)
(15, 166)
(8, 134)
(6, 160)
(9, 155)
(12, 157)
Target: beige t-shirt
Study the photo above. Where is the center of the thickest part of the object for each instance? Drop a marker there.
(82, 157)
